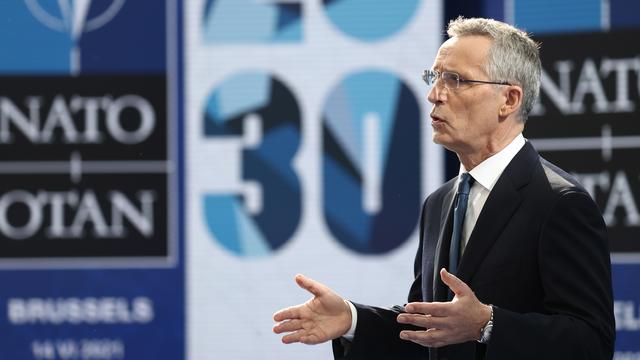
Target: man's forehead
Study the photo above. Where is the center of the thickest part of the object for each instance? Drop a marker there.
(446, 57)
(462, 51)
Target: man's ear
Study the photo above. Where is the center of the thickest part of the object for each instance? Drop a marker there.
(512, 100)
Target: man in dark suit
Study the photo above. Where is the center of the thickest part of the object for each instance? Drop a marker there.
(525, 246)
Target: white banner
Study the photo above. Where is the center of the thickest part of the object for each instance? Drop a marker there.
(308, 150)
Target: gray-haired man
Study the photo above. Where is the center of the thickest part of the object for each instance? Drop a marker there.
(525, 246)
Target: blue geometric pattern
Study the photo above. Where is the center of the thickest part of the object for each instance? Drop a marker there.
(251, 22)
(398, 155)
(553, 16)
(234, 229)
(230, 223)
(368, 20)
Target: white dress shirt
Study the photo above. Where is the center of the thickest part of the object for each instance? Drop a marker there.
(486, 175)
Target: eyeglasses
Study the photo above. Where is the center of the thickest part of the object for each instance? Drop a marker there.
(452, 80)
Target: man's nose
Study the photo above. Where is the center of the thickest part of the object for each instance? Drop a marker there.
(437, 93)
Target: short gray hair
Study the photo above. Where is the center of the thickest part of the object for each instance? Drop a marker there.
(513, 57)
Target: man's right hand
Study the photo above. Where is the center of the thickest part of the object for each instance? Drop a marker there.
(324, 317)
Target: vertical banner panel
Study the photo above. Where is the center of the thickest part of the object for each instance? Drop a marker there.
(307, 151)
(627, 310)
(89, 245)
(587, 123)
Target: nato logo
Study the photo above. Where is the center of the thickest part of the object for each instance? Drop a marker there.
(81, 37)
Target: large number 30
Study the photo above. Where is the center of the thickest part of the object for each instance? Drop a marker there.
(371, 135)
(371, 162)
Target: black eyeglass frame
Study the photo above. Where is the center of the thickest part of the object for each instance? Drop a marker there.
(426, 74)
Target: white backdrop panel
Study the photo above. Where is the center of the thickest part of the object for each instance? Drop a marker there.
(231, 298)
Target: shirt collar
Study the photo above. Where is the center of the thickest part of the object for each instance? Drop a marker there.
(487, 172)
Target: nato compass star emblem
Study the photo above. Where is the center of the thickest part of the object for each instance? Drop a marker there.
(73, 17)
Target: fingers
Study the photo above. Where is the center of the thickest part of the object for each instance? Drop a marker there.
(297, 332)
(300, 336)
(456, 285)
(429, 308)
(310, 285)
(424, 321)
(315, 321)
(292, 338)
(294, 327)
(430, 337)
(292, 312)
(287, 326)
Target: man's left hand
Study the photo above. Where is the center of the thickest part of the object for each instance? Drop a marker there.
(446, 323)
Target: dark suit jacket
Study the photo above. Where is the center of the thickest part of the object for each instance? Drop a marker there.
(538, 253)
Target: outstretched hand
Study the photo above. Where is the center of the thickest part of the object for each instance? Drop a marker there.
(324, 317)
(446, 323)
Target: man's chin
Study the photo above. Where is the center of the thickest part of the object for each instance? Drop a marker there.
(443, 141)
(439, 139)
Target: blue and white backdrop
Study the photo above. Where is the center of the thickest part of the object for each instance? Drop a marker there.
(166, 168)
(306, 151)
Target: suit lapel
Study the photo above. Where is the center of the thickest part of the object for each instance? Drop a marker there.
(500, 206)
(442, 248)
(497, 211)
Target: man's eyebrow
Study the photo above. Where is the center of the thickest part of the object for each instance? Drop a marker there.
(441, 69)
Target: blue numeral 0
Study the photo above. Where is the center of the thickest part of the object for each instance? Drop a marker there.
(371, 162)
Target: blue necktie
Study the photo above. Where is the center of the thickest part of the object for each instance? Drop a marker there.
(462, 196)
